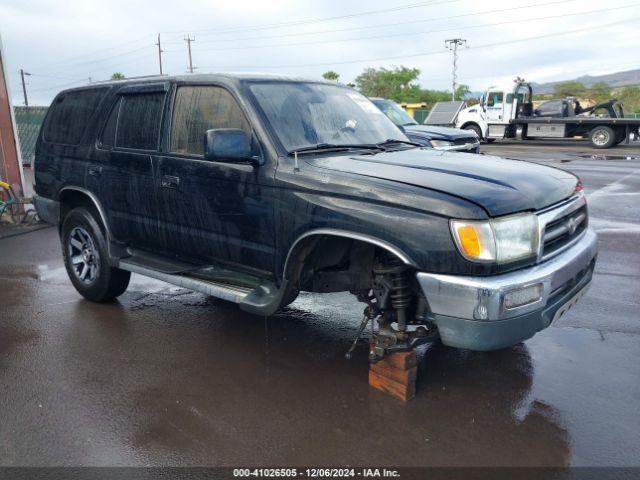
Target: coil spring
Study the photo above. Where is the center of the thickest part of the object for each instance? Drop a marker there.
(400, 291)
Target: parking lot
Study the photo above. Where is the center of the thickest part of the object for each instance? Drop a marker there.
(169, 377)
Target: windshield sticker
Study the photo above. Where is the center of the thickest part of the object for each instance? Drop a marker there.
(364, 104)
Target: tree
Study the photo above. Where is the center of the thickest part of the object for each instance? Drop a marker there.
(518, 79)
(600, 91)
(570, 89)
(117, 76)
(630, 98)
(462, 91)
(331, 75)
(397, 83)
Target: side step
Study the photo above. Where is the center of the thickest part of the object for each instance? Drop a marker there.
(230, 293)
(264, 299)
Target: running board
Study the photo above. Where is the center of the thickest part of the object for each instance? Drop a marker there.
(264, 300)
(230, 293)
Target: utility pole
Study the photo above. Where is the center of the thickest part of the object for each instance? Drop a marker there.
(188, 39)
(160, 53)
(453, 44)
(24, 87)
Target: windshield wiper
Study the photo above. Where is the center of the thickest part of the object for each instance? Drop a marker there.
(395, 141)
(337, 147)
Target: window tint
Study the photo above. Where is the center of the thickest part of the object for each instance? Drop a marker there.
(139, 121)
(198, 109)
(495, 98)
(70, 115)
(109, 132)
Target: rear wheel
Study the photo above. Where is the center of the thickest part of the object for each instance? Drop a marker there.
(602, 137)
(84, 248)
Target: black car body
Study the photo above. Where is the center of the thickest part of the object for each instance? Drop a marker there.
(253, 188)
(440, 138)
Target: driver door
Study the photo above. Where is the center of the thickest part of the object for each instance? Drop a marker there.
(495, 107)
(214, 212)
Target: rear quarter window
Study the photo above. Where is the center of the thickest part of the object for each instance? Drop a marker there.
(70, 115)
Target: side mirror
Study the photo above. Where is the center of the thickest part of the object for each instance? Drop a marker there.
(227, 145)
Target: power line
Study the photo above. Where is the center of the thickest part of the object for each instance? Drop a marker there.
(425, 54)
(413, 34)
(269, 26)
(385, 25)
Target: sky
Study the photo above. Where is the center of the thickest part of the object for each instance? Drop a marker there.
(72, 42)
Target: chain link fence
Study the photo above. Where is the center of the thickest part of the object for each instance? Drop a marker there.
(28, 122)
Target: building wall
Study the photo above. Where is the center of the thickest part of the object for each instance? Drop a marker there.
(10, 166)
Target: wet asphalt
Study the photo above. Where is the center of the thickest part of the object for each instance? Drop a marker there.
(165, 376)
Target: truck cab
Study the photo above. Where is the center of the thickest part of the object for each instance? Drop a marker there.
(492, 117)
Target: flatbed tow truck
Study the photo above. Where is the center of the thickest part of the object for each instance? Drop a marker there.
(509, 113)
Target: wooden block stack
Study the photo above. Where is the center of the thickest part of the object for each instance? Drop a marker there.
(395, 374)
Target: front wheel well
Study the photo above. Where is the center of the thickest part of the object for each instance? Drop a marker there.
(331, 263)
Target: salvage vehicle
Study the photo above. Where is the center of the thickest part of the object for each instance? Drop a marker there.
(254, 188)
(440, 138)
(508, 112)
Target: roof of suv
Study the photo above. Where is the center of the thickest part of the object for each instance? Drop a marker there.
(207, 77)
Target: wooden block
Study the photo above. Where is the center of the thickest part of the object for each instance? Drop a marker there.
(401, 360)
(401, 391)
(402, 376)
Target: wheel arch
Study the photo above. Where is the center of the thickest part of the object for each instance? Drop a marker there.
(72, 196)
(305, 243)
(474, 124)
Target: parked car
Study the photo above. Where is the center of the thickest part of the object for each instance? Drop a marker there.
(440, 138)
(254, 188)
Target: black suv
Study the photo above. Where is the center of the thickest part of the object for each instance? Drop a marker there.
(254, 188)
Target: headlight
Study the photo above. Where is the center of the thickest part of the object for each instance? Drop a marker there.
(440, 143)
(499, 240)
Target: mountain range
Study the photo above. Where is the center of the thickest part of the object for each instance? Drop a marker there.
(617, 79)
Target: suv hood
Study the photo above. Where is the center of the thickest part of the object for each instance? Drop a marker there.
(439, 133)
(498, 185)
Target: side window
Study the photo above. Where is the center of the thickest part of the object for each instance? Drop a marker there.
(494, 99)
(138, 124)
(70, 115)
(108, 138)
(198, 109)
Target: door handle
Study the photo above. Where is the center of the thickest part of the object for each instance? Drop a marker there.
(95, 170)
(169, 181)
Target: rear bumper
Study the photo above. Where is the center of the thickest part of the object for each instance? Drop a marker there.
(471, 312)
(48, 210)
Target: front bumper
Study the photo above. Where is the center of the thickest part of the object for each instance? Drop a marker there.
(470, 312)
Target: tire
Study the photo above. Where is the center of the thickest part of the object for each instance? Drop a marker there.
(602, 137)
(84, 249)
(474, 128)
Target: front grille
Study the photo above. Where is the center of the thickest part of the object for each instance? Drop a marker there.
(562, 231)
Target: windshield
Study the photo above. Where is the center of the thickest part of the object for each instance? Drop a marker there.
(394, 112)
(307, 114)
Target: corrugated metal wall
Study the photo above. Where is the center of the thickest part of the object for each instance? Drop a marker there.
(28, 122)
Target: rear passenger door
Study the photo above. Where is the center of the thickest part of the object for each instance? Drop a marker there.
(129, 145)
(214, 211)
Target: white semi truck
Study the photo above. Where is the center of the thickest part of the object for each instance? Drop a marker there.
(509, 113)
